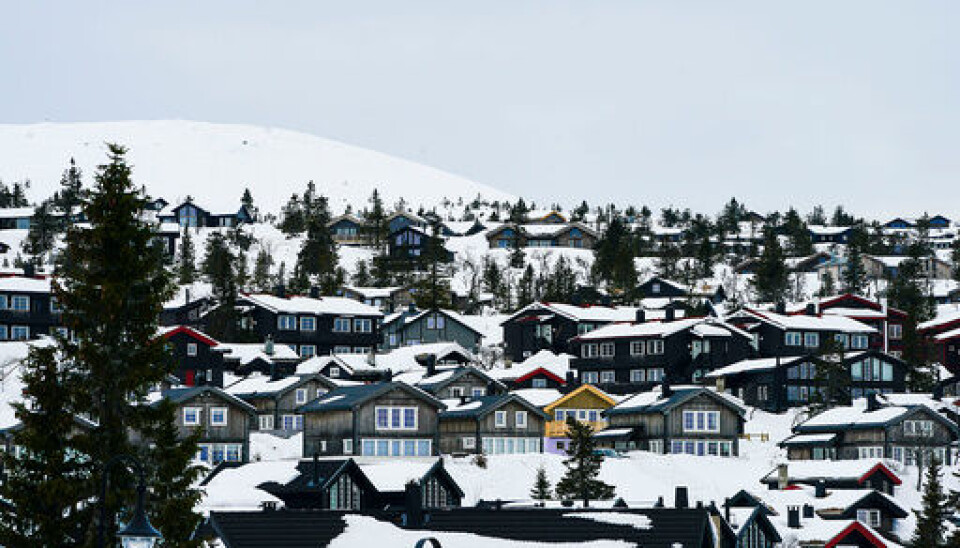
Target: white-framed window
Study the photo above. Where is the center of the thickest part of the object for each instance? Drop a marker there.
(361, 349)
(308, 323)
(584, 328)
(396, 418)
(521, 419)
(363, 325)
(842, 340)
(637, 348)
(61, 331)
(19, 332)
(4, 302)
(4, 333)
(500, 419)
(589, 350)
(656, 446)
(341, 325)
(870, 452)
(638, 375)
(918, 428)
(538, 382)
(218, 416)
(608, 376)
(469, 442)
(265, 422)
(478, 392)
(191, 349)
(655, 375)
(381, 447)
(301, 395)
(191, 416)
(895, 331)
(869, 517)
(334, 372)
(793, 338)
(347, 446)
(341, 349)
(456, 391)
(762, 394)
(655, 346)
(292, 422)
(590, 377)
(655, 287)
(55, 305)
(510, 446)
(286, 322)
(811, 340)
(393, 339)
(308, 350)
(701, 421)
(436, 321)
(606, 350)
(20, 303)
(860, 342)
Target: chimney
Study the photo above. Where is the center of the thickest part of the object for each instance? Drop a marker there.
(269, 505)
(807, 511)
(821, 489)
(641, 314)
(938, 392)
(669, 314)
(726, 509)
(793, 517)
(314, 292)
(463, 399)
(29, 270)
(680, 497)
(780, 307)
(659, 503)
(721, 384)
(571, 379)
(665, 389)
(873, 404)
(268, 346)
(412, 308)
(811, 309)
(491, 389)
(429, 362)
(186, 295)
(413, 503)
(783, 478)
(280, 291)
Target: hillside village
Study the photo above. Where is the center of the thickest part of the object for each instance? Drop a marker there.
(751, 379)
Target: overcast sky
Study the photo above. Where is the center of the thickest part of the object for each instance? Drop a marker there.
(659, 102)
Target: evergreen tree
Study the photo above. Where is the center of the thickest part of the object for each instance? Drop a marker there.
(955, 257)
(42, 234)
(44, 489)
(111, 283)
(247, 201)
(798, 235)
(828, 287)
(817, 216)
(909, 291)
(361, 276)
(186, 262)
(583, 466)
(292, 220)
(517, 257)
(525, 287)
(318, 253)
(930, 529)
(434, 290)
(219, 267)
(854, 273)
(541, 486)
(613, 257)
(376, 221)
(519, 211)
(261, 271)
(70, 196)
(832, 378)
(771, 278)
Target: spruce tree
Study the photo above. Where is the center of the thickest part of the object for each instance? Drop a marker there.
(247, 201)
(42, 234)
(112, 283)
(583, 466)
(42, 498)
(541, 486)
(292, 221)
(854, 274)
(525, 287)
(261, 271)
(930, 519)
(771, 278)
(186, 261)
(71, 193)
(318, 253)
(376, 221)
(361, 275)
(517, 257)
(909, 291)
(219, 266)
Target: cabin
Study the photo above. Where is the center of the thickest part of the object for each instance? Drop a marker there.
(834, 474)
(387, 299)
(189, 214)
(413, 326)
(188, 306)
(198, 361)
(586, 404)
(549, 326)
(752, 526)
(821, 234)
(223, 421)
(402, 219)
(900, 223)
(574, 235)
(887, 320)
(347, 230)
(872, 429)
(268, 358)
(465, 381)
(777, 384)
(411, 244)
(544, 369)
(28, 308)
(312, 326)
(625, 358)
(504, 424)
(687, 420)
(779, 334)
(344, 367)
(278, 400)
(386, 419)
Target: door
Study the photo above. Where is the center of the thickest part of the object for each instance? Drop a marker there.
(190, 377)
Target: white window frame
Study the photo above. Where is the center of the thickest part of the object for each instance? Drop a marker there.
(347, 446)
(192, 349)
(265, 422)
(24, 299)
(308, 350)
(500, 419)
(607, 349)
(311, 322)
(637, 348)
(608, 376)
(301, 395)
(286, 322)
(895, 331)
(697, 420)
(638, 375)
(811, 340)
(390, 410)
(363, 325)
(198, 419)
(17, 330)
(213, 416)
(520, 419)
(655, 347)
(340, 323)
(793, 338)
(869, 516)
(589, 350)
(590, 377)
(469, 442)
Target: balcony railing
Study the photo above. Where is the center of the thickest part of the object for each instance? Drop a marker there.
(558, 429)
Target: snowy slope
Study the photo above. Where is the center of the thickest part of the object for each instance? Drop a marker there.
(214, 162)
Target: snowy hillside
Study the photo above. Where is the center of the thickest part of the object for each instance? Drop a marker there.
(215, 162)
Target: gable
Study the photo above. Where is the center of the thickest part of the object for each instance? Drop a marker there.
(585, 397)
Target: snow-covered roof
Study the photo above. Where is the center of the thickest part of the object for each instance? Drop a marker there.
(186, 294)
(748, 366)
(26, 285)
(812, 470)
(248, 352)
(373, 292)
(539, 397)
(16, 212)
(259, 384)
(309, 305)
(655, 401)
(583, 313)
(703, 327)
(394, 474)
(803, 322)
(558, 364)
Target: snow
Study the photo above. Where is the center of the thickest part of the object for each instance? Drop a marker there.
(26, 285)
(637, 521)
(394, 474)
(743, 366)
(235, 489)
(215, 162)
(556, 363)
(268, 447)
(538, 397)
(307, 305)
(813, 323)
(248, 352)
(454, 405)
(257, 383)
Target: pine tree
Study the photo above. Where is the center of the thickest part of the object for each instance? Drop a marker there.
(376, 220)
(909, 291)
(771, 278)
(247, 201)
(832, 377)
(955, 257)
(930, 529)
(292, 221)
(71, 193)
(828, 287)
(613, 257)
(44, 490)
(112, 283)
(219, 267)
(186, 262)
(261, 271)
(42, 234)
(525, 287)
(583, 467)
(854, 274)
(541, 486)
(361, 275)
(318, 253)
(517, 257)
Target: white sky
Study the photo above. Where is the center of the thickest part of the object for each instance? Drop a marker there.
(656, 102)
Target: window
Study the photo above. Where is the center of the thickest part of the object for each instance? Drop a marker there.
(20, 303)
(266, 422)
(19, 332)
(334, 372)
(500, 419)
(308, 350)
(286, 322)
(655, 375)
(792, 338)
(393, 339)
(655, 287)
(4, 335)
(191, 349)
(292, 422)
(811, 340)
(341, 325)
(895, 331)
(341, 349)
(362, 325)
(762, 393)
(436, 321)
(590, 377)
(539, 382)
(655, 347)
(233, 452)
(636, 348)
(347, 446)
(842, 340)
(869, 517)
(870, 452)
(218, 416)
(469, 442)
(588, 351)
(584, 328)
(55, 305)
(191, 416)
(3, 302)
(478, 392)
(308, 323)
(637, 375)
(701, 421)
(656, 446)
(301, 395)
(396, 418)
(918, 428)
(521, 419)
(606, 350)
(608, 376)
(860, 342)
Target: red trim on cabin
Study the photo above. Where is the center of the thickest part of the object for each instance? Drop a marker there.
(545, 372)
(855, 526)
(886, 471)
(192, 333)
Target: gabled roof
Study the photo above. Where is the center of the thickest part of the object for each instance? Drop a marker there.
(309, 305)
(445, 378)
(345, 217)
(810, 471)
(857, 416)
(803, 322)
(181, 395)
(408, 318)
(603, 396)
(257, 385)
(579, 313)
(168, 332)
(655, 402)
(348, 398)
(484, 405)
(700, 327)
